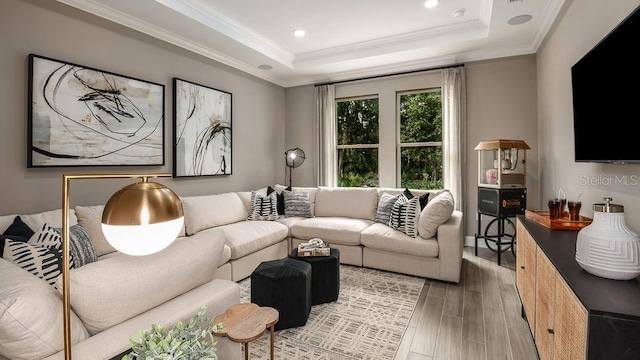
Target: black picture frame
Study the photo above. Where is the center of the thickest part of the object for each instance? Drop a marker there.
(82, 116)
(202, 128)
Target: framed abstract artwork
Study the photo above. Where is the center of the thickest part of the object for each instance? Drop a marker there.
(79, 116)
(202, 130)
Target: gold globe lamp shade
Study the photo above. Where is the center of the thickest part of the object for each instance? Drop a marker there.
(142, 218)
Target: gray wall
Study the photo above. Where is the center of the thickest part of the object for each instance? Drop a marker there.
(501, 104)
(583, 24)
(51, 29)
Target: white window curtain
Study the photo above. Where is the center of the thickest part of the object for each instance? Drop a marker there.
(326, 135)
(454, 132)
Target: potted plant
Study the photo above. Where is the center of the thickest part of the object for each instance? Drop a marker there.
(182, 342)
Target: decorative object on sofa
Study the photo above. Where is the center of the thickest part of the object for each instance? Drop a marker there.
(183, 341)
(606, 247)
(201, 130)
(405, 215)
(294, 158)
(79, 116)
(297, 203)
(263, 207)
(385, 205)
(139, 219)
(502, 189)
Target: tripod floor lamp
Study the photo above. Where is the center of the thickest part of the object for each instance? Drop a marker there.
(294, 158)
(139, 219)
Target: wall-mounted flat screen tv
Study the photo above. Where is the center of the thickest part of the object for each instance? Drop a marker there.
(606, 97)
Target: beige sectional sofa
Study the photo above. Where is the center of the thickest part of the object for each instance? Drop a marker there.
(117, 295)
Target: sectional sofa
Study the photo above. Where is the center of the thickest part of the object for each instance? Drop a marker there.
(225, 237)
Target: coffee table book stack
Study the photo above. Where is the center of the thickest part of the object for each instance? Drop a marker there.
(315, 247)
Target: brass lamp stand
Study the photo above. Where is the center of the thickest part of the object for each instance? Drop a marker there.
(141, 208)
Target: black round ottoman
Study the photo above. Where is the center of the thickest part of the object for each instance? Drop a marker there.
(325, 275)
(284, 285)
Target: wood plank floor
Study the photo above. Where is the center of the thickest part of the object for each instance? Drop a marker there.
(479, 318)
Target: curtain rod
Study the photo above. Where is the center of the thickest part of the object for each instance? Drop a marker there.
(387, 75)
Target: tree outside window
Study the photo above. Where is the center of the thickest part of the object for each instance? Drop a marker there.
(420, 139)
(357, 142)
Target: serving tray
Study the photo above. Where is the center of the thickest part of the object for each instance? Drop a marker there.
(542, 218)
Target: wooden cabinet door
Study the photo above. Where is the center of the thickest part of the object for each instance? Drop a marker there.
(570, 325)
(545, 305)
(526, 272)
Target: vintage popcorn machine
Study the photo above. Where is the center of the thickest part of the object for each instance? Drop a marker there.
(502, 191)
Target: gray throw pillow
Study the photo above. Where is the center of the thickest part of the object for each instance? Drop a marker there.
(296, 203)
(385, 205)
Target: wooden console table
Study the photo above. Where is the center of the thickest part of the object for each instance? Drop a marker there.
(246, 322)
(571, 313)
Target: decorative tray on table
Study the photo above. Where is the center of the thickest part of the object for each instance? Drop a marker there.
(542, 218)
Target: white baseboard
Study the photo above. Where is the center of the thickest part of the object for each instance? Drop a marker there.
(471, 242)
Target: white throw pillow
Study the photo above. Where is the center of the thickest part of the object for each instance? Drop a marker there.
(436, 213)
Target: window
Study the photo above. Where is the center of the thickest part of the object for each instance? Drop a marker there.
(420, 139)
(357, 141)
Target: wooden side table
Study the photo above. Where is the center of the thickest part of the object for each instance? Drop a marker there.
(246, 322)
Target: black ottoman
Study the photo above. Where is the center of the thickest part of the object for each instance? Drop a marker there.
(325, 275)
(285, 285)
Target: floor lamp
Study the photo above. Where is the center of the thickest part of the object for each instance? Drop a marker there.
(294, 158)
(139, 219)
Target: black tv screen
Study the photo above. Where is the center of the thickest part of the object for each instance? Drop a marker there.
(606, 97)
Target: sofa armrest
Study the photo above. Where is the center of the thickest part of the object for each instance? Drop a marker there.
(450, 244)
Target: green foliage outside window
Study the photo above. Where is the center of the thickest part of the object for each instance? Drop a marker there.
(358, 125)
(421, 122)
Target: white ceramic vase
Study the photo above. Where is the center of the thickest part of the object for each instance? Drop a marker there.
(606, 247)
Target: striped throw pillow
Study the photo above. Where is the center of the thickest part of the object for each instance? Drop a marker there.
(385, 205)
(296, 203)
(405, 215)
(263, 207)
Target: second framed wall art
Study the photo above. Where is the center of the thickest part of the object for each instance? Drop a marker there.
(202, 130)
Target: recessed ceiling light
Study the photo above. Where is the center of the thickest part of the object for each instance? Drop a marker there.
(299, 32)
(458, 13)
(520, 19)
(431, 3)
(265, 67)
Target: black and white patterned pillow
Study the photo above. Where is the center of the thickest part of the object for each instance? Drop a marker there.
(424, 198)
(385, 204)
(263, 207)
(296, 203)
(405, 215)
(41, 255)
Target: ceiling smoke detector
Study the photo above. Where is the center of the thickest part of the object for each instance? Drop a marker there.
(458, 13)
(520, 19)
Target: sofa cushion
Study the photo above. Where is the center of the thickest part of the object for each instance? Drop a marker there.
(208, 211)
(296, 203)
(35, 221)
(119, 287)
(247, 237)
(405, 214)
(436, 213)
(31, 316)
(357, 203)
(90, 218)
(337, 230)
(382, 237)
(263, 207)
(385, 205)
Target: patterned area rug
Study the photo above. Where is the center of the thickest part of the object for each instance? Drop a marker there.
(366, 322)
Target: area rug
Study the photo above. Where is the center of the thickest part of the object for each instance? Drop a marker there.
(366, 322)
